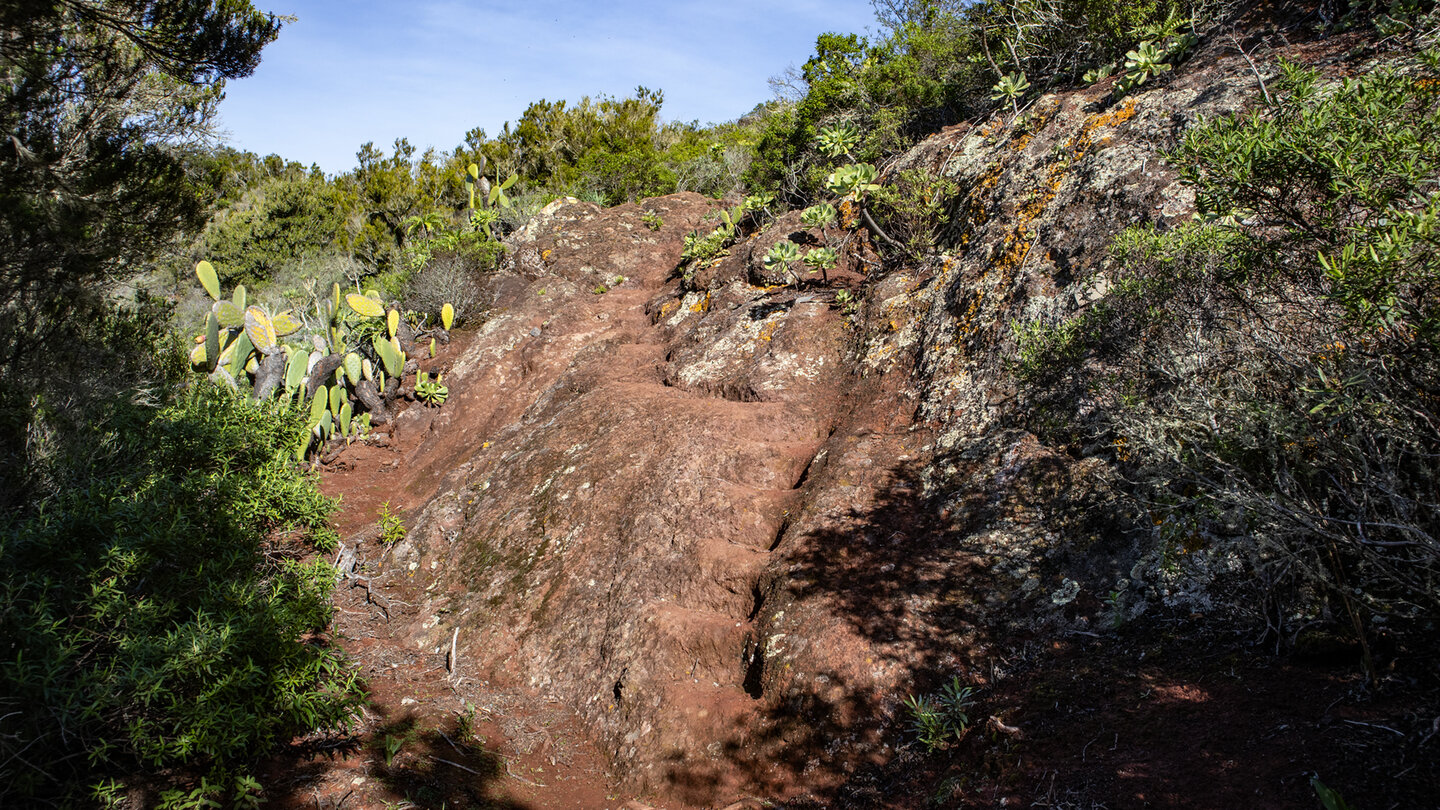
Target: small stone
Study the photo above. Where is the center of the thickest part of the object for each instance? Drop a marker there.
(535, 332)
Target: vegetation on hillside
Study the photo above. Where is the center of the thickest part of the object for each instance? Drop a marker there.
(156, 605)
(1278, 405)
(161, 622)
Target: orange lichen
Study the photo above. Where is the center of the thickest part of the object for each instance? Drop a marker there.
(1018, 240)
(701, 305)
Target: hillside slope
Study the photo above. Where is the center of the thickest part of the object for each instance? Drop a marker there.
(731, 525)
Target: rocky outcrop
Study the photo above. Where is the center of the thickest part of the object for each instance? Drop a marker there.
(731, 525)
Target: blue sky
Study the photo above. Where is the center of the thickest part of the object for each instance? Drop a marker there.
(351, 71)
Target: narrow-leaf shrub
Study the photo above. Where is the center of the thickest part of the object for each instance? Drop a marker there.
(159, 611)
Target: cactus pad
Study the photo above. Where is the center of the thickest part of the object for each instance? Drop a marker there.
(389, 356)
(229, 315)
(364, 305)
(447, 316)
(295, 371)
(260, 330)
(285, 323)
(353, 368)
(212, 342)
(240, 354)
(319, 404)
(205, 271)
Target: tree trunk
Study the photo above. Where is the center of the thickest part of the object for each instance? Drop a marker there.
(370, 398)
(269, 376)
(322, 372)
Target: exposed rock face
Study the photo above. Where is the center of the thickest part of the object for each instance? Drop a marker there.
(728, 525)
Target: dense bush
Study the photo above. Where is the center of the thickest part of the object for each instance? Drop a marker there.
(1280, 405)
(614, 150)
(276, 223)
(158, 607)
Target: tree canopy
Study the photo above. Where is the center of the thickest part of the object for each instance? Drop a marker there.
(98, 101)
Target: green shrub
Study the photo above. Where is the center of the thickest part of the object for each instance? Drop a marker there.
(940, 719)
(157, 606)
(940, 63)
(276, 224)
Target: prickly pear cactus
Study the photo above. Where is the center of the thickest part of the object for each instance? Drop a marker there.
(211, 282)
(353, 368)
(260, 330)
(365, 306)
(286, 323)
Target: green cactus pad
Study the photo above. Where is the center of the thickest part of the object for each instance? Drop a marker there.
(197, 356)
(389, 356)
(240, 355)
(367, 369)
(392, 321)
(295, 371)
(205, 271)
(345, 413)
(260, 330)
(319, 404)
(353, 368)
(447, 316)
(212, 342)
(238, 297)
(286, 323)
(229, 315)
(432, 348)
(365, 306)
(337, 398)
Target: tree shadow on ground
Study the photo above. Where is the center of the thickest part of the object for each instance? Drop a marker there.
(1172, 711)
(419, 763)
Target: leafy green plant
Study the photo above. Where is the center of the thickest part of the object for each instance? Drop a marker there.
(1010, 88)
(392, 528)
(1146, 61)
(1329, 799)
(652, 220)
(781, 256)
(838, 140)
(822, 261)
(1097, 74)
(938, 720)
(174, 642)
(392, 744)
(431, 392)
(820, 215)
(853, 180)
